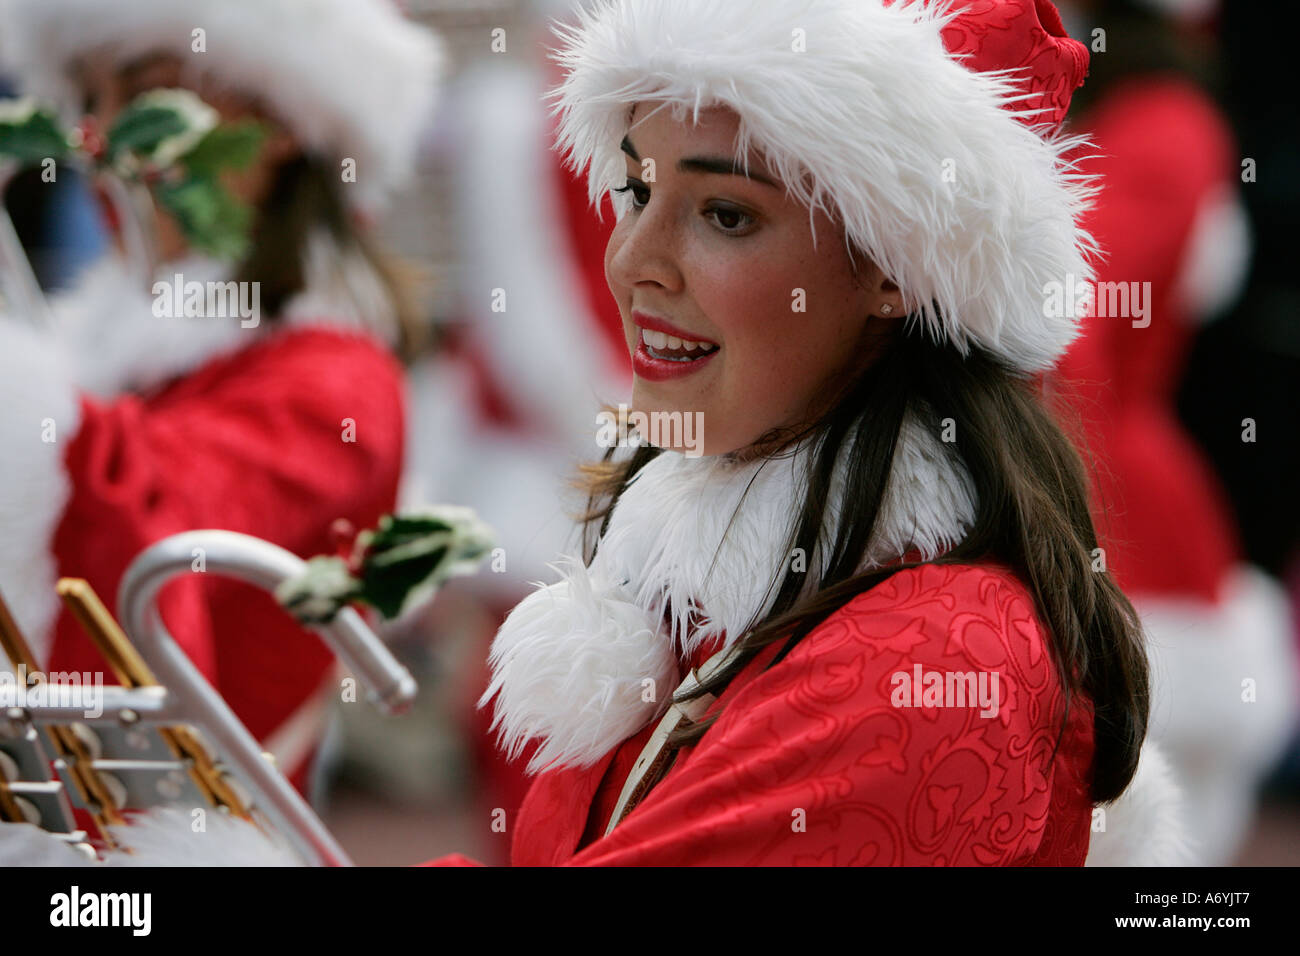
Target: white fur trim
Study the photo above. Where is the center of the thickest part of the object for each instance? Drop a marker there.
(116, 344)
(37, 400)
(929, 501)
(873, 112)
(1220, 744)
(24, 844)
(1216, 260)
(163, 836)
(351, 78)
(1145, 825)
(689, 534)
(581, 702)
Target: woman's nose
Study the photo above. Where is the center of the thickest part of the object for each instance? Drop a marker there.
(647, 248)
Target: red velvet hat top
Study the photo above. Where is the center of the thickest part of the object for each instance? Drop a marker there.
(1027, 37)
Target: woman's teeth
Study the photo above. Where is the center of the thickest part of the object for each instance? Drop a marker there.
(672, 349)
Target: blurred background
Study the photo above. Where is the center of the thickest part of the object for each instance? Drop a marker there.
(1200, 522)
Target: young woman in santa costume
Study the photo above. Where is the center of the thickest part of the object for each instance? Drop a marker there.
(836, 222)
(834, 225)
(274, 429)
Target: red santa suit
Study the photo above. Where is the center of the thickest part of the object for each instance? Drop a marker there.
(123, 424)
(274, 431)
(1167, 216)
(935, 786)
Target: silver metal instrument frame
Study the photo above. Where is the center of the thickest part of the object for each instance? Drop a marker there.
(186, 698)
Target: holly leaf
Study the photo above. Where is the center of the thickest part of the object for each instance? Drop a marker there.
(230, 145)
(160, 126)
(142, 129)
(386, 586)
(211, 219)
(394, 567)
(30, 135)
(409, 556)
(316, 596)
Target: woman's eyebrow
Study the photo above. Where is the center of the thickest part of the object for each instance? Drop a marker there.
(704, 164)
(726, 167)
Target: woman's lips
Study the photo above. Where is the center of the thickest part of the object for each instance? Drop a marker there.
(664, 351)
(648, 362)
(653, 323)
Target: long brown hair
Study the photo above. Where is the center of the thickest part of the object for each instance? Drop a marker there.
(306, 195)
(1032, 515)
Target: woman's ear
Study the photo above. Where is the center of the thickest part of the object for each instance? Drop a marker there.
(887, 299)
(884, 298)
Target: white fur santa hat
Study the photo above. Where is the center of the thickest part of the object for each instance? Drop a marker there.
(350, 78)
(931, 129)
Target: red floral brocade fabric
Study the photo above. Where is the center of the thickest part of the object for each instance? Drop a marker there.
(1028, 38)
(816, 761)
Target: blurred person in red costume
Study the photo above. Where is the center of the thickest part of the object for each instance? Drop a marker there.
(274, 426)
(502, 414)
(1177, 243)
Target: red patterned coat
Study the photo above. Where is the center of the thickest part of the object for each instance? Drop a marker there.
(812, 762)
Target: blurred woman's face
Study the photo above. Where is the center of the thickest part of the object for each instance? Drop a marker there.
(728, 310)
(110, 86)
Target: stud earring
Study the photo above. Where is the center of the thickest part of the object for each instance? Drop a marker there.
(886, 309)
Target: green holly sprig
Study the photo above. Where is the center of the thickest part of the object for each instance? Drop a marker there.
(168, 139)
(29, 135)
(393, 568)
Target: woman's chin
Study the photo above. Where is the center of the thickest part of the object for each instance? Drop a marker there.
(668, 425)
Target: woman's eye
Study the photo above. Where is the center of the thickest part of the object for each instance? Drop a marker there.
(730, 220)
(640, 193)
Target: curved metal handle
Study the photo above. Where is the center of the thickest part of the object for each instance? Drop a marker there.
(266, 565)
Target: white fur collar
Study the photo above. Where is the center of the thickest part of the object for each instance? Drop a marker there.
(584, 663)
(107, 327)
